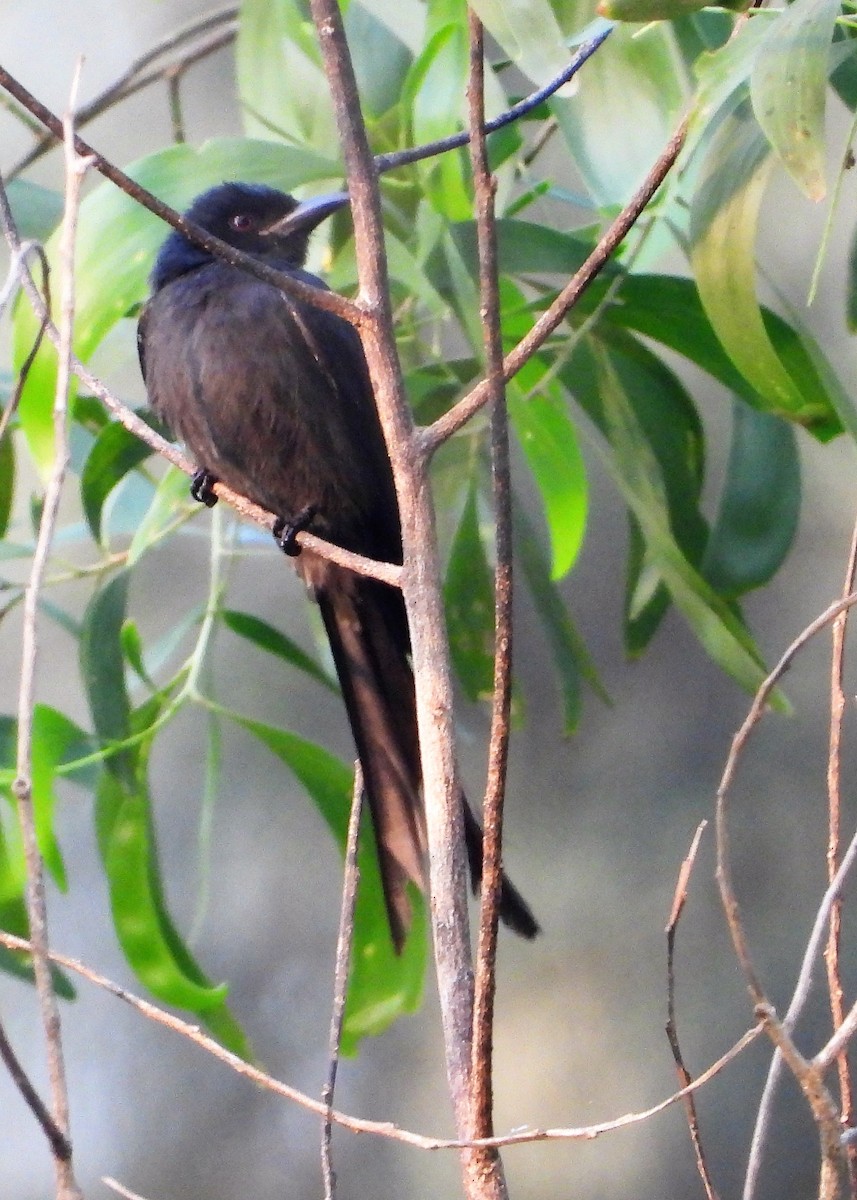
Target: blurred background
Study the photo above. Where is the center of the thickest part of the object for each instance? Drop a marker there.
(596, 828)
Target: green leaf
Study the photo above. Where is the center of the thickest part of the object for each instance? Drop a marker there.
(114, 453)
(281, 84)
(570, 658)
(670, 310)
(56, 742)
(266, 637)
(435, 92)
(671, 425)
(145, 930)
(788, 89)
(759, 505)
(381, 60)
(102, 665)
(724, 217)
(383, 985)
(37, 210)
(7, 481)
(469, 601)
(172, 496)
(612, 148)
(117, 244)
(549, 441)
(132, 648)
(529, 33)
(638, 477)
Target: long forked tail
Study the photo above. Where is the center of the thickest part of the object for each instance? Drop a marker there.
(366, 626)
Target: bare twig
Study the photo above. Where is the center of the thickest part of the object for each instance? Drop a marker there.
(498, 750)
(831, 954)
(120, 1189)
(59, 1143)
(679, 900)
(351, 878)
(207, 35)
(67, 1188)
(360, 1125)
(460, 414)
(807, 1073)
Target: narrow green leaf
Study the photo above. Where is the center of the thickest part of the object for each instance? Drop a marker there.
(37, 210)
(724, 217)
(570, 658)
(103, 670)
(549, 441)
(145, 930)
(759, 505)
(670, 310)
(612, 148)
(529, 33)
(56, 741)
(171, 497)
(383, 985)
(469, 601)
(132, 648)
(381, 60)
(114, 453)
(7, 482)
(636, 473)
(266, 637)
(788, 89)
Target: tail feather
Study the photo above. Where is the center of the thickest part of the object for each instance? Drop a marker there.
(366, 626)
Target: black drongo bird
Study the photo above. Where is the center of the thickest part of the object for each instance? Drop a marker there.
(273, 397)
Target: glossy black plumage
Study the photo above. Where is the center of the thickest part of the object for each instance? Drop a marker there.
(273, 398)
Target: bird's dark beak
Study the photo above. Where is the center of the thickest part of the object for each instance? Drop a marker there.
(308, 214)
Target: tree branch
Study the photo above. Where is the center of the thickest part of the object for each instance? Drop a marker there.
(22, 786)
(498, 747)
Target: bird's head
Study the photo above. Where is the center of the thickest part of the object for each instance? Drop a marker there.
(259, 220)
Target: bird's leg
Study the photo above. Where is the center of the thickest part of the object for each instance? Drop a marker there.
(286, 530)
(201, 487)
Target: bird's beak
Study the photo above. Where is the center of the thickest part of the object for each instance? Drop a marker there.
(308, 214)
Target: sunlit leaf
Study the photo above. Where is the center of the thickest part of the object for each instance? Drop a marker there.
(382, 985)
(788, 89)
(549, 441)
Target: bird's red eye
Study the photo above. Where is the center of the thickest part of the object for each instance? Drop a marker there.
(241, 222)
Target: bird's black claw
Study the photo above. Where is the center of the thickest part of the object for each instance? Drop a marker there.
(286, 530)
(201, 487)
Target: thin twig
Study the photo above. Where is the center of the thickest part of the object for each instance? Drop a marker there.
(498, 749)
(361, 1125)
(58, 1141)
(831, 954)
(679, 901)
(350, 880)
(807, 1074)
(138, 75)
(120, 1189)
(23, 786)
(442, 429)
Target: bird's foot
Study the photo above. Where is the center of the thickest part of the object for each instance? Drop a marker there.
(201, 487)
(286, 530)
